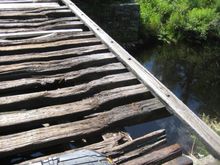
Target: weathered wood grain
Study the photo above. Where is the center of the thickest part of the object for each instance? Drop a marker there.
(34, 84)
(60, 96)
(26, 1)
(30, 69)
(49, 37)
(42, 137)
(157, 157)
(15, 36)
(52, 55)
(182, 160)
(86, 106)
(53, 44)
(27, 5)
(174, 105)
(58, 25)
(110, 146)
(37, 24)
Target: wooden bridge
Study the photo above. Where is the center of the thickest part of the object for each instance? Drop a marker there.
(66, 85)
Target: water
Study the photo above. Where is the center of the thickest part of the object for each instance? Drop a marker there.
(193, 75)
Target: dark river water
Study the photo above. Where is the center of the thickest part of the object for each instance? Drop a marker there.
(193, 75)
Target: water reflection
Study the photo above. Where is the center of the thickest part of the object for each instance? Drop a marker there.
(192, 73)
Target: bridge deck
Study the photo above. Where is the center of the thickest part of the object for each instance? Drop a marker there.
(63, 88)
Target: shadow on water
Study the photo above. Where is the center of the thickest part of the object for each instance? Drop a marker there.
(193, 75)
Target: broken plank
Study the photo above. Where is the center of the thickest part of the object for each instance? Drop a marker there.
(43, 137)
(157, 157)
(109, 146)
(182, 160)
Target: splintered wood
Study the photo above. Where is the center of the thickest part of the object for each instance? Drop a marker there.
(61, 86)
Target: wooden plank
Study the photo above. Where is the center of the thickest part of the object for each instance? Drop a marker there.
(30, 20)
(34, 84)
(53, 55)
(43, 137)
(47, 38)
(111, 146)
(174, 105)
(20, 11)
(86, 106)
(53, 44)
(38, 24)
(26, 1)
(182, 160)
(30, 69)
(158, 157)
(18, 16)
(38, 33)
(56, 26)
(63, 95)
(27, 5)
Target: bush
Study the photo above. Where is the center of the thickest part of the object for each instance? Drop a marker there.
(199, 20)
(170, 20)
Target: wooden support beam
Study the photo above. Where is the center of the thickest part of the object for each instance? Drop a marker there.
(173, 104)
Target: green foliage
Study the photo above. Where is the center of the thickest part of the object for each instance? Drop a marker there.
(170, 20)
(199, 20)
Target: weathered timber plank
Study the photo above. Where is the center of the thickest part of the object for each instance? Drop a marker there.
(30, 20)
(26, 1)
(52, 55)
(53, 36)
(148, 141)
(38, 83)
(85, 106)
(182, 160)
(174, 105)
(58, 25)
(37, 24)
(42, 137)
(110, 146)
(35, 33)
(33, 10)
(36, 15)
(27, 5)
(30, 69)
(157, 157)
(60, 96)
(53, 44)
